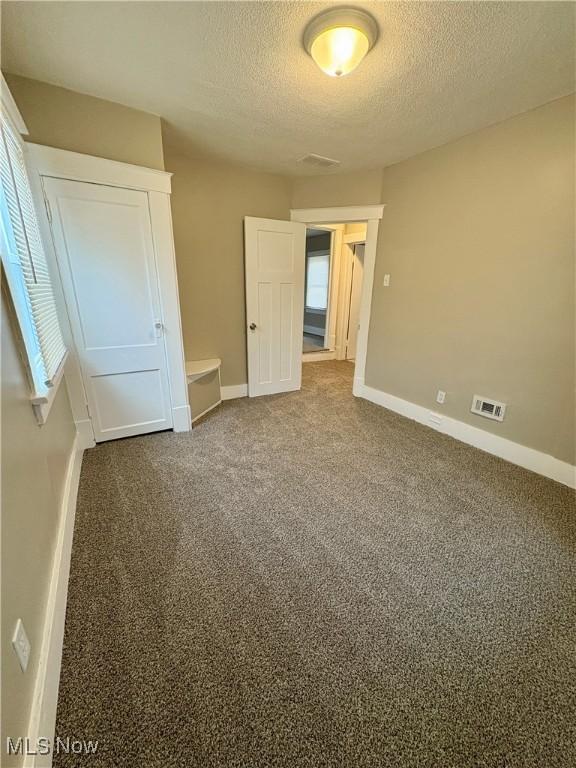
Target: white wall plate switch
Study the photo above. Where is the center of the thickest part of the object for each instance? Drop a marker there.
(441, 396)
(21, 644)
(386, 282)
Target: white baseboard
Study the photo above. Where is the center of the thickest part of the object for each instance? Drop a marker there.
(358, 388)
(85, 434)
(529, 458)
(181, 418)
(210, 408)
(42, 721)
(315, 357)
(233, 391)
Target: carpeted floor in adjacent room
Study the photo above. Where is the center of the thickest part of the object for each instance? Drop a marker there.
(309, 580)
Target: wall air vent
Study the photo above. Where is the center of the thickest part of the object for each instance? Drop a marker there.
(491, 409)
(319, 161)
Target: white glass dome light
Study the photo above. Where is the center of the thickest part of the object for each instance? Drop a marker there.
(339, 39)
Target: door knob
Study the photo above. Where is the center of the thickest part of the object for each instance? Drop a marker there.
(252, 326)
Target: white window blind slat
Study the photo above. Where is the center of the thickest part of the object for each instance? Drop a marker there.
(27, 255)
(12, 206)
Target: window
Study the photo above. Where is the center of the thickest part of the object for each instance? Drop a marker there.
(25, 267)
(317, 278)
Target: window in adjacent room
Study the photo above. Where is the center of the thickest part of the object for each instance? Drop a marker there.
(317, 280)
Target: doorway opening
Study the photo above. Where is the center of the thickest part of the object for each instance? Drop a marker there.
(279, 289)
(334, 272)
(352, 258)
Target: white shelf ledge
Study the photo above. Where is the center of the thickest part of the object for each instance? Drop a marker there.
(195, 369)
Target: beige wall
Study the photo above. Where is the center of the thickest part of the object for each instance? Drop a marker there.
(355, 227)
(209, 202)
(478, 237)
(65, 119)
(361, 188)
(34, 461)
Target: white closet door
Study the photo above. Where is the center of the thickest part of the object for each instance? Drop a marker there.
(275, 256)
(105, 253)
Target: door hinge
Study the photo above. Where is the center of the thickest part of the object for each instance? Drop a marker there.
(88, 410)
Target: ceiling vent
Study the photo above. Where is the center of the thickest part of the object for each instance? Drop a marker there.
(491, 409)
(319, 161)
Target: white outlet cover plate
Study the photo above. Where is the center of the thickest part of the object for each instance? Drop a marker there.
(386, 281)
(441, 396)
(21, 644)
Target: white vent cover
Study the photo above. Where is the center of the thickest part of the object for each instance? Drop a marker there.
(491, 409)
(319, 161)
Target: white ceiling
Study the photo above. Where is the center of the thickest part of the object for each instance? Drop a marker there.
(232, 80)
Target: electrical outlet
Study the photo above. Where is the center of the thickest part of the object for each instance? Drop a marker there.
(441, 396)
(21, 644)
(386, 282)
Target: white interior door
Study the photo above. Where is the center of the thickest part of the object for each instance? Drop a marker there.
(355, 296)
(103, 241)
(275, 258)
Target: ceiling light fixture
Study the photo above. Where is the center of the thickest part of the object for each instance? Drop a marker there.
(339, 39)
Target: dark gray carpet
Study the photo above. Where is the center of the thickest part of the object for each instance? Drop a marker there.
(311, 580)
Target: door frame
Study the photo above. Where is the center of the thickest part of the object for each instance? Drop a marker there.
(348, 243)
(62, 164)
(371, 214)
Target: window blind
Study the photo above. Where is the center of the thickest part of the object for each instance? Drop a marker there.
(27, 256)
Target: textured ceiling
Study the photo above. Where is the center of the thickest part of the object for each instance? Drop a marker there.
(231, 78)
